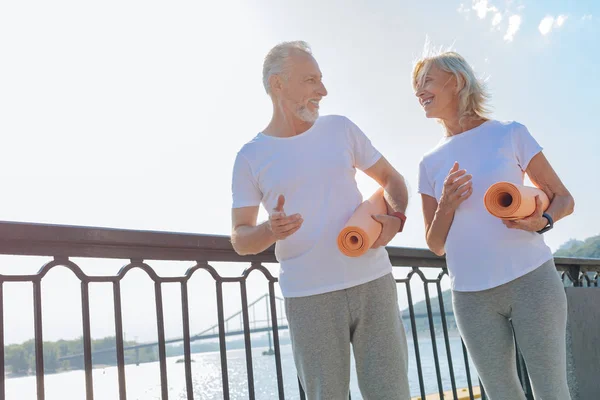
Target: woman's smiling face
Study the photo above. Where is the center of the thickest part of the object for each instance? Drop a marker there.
(437, 93)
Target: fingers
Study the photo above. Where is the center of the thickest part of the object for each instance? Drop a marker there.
(451, 178)
(509, 223)
(462, 188)
(390, 223)
(538, 206)
(284, 226)
(381, 241)
(292, 231)
(389, 230)
(464, 193)
(280, 202)
(291, 225)
(460, 183)
(454, 168)
(281, 220)
(278, 216)
(378, 218)
(517, 224)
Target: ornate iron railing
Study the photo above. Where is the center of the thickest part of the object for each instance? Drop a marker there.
(64, 243)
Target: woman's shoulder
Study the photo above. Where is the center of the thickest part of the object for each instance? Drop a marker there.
(506, 125)
(433, 152)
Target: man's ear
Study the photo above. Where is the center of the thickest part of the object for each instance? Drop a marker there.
(275, 82)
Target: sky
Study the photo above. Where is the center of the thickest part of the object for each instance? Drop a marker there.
(129, 114)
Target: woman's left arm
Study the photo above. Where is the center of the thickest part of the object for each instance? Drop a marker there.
(562, 203)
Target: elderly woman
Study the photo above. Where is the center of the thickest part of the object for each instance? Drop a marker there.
(504, 282)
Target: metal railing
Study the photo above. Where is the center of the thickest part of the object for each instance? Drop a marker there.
(64, 243)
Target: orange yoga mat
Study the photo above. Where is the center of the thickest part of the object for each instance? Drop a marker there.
(361, 230)
(509, 201)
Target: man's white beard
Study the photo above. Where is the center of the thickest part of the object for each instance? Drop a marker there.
(306, 115)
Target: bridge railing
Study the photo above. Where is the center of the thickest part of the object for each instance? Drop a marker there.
(61, 244)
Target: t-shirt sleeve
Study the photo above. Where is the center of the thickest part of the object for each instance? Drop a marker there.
(244, 188)
(365, 154)
(425, 186)
(525, 146)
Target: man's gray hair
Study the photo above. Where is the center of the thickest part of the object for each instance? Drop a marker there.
(277, 57)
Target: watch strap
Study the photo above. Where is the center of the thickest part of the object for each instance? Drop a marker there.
(550, 224)
(402, 218)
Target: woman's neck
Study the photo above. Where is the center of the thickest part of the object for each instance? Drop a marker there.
(453, 126)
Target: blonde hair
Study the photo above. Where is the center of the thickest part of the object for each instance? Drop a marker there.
(473, 95)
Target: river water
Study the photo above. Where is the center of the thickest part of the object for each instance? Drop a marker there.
(143, 381)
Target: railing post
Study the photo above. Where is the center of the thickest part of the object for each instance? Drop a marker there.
(574, 271)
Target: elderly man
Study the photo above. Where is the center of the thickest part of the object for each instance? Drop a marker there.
(302, 168)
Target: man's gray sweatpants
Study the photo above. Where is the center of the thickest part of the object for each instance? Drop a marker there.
(323, 326)
(537, 305)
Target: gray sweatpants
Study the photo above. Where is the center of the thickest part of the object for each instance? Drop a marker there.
(323, 326)
(537, 306)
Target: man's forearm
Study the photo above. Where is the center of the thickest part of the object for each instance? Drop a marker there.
(252, 239)
(396, 194)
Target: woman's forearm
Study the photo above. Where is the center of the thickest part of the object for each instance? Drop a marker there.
(438, 231)
(561, 206)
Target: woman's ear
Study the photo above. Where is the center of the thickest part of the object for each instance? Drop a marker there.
(459, 83)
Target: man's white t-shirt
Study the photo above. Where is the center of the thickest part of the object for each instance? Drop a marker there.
(315, 171)
(481, 252)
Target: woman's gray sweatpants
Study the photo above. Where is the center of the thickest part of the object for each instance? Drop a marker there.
(537, 305)
(323, 326)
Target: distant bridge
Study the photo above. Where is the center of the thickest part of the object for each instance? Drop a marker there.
(256, 325)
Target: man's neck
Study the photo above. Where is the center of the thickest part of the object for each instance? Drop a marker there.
(286, 125)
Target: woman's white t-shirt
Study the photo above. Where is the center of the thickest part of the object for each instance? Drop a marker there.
(481, 252)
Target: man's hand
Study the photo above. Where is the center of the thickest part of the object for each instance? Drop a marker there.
(391, 225)
(280, 225)
(533, 223)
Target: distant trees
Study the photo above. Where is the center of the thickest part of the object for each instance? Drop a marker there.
(590, 247)
(20, 358)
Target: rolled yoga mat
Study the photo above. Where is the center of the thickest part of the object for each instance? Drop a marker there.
(361, 230)
(509, 201)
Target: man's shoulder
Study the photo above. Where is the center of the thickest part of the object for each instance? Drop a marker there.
(333, 120)
(340, 123)
(251, 145)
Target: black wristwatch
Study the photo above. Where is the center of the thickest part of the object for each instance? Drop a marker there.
(547, 227)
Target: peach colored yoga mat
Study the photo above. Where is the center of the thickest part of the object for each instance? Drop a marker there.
(509, 201)
(361, 230)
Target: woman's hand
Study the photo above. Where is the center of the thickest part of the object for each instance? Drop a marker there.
(533, 223)
(457, 188)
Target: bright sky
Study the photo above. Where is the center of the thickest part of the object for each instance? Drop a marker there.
(129, 113)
